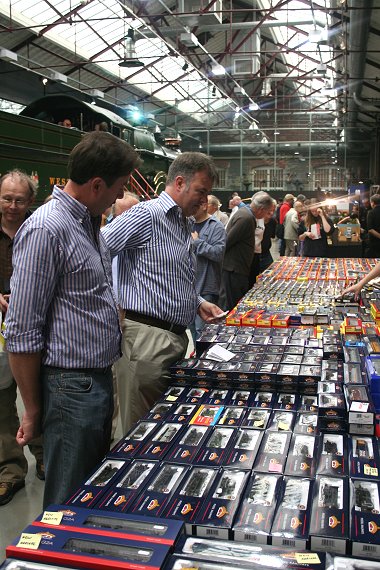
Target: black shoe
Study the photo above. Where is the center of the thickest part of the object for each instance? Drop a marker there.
(7, 491)
(40, 470)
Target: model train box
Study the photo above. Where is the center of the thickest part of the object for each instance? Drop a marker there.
(231, 416)
(157, 446)
(307, 423)
(187, 446)
(359, 404)
(246, 555)
(181, 413)
(302, 456)
(257, 418)
(332, 406)
(309, 403)
(241, 398)
(153, 499)
(178, 563)
(94, 521)
(159, 412)
(52, 545)
(215, 449)
(244, 448)
(365, 518)
(186, 503)
(181, 369)
(206, 415)
(333, 454)
(329, 529)
(291, 522)
(127, 447)
(364, 457)
(174, 394)
(91, 490)
(256, 512)
(198, 395)
(354, 373)
(281, 420)
(273, 452)
(119, 496)
(263, 400)
(218, 510)
(287, 402)
(218, 397)
(13, 564)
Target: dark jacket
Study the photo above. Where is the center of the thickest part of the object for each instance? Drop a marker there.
(240, 246)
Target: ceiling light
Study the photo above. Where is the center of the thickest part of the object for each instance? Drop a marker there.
(44, 80)
(218, 69)
(253, 106)
(56, 76)
(276, 132)
(130, 58)
(7, 55)
(188, 39)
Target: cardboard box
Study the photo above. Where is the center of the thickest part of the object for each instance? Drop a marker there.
(127, 447)
(215, 449)
(244, 448)
(273, 452)
(364, 457)
(365, 518)
(302, 456)
(333, 454)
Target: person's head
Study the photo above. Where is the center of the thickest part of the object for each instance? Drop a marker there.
(17, 194)
(66, 123)
(289, 199)
(314, 210)
(298, 206)
(375, 200)
(355, 211)
(99, 168)
(190, 180)
(213, 204)
(125, 203)
(301, 198)
(202, 213)
(262, 205)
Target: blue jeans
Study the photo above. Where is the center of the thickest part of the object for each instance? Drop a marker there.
(77, 419)
(197, 325)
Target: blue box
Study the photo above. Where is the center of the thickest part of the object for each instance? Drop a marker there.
(365, 518)
(244, 448)
(186, 448)
(96, 552)
(125, 526)
(127, 447)
(216, 448)
(157, 446)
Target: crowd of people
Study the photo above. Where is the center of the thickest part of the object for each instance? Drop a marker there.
(98, 290)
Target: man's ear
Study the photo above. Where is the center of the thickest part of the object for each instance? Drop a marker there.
(96, 184)
(180, 182)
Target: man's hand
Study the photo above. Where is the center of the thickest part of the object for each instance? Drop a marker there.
(195, 235)
(4, 303)
(30, 428)
(210, 312)
(353, 289)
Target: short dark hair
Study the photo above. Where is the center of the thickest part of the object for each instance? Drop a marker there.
(375, 198)
(23, 177)
(101, 154)
(188, 164)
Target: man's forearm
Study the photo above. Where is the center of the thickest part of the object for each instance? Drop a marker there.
(26, 371)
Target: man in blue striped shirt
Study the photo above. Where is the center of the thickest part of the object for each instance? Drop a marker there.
(156, 281)
(63, 330)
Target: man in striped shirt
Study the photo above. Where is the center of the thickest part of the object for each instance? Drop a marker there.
(156, 280)
(63, 330)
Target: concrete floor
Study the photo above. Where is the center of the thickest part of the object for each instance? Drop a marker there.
(27, 503)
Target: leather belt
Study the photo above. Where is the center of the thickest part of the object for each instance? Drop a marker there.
(153, 322)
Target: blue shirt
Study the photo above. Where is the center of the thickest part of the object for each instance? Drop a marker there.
(62, 302)
(209, 249)
(156, 262)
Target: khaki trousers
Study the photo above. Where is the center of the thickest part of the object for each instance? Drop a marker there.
(13, 464)
(143, 371)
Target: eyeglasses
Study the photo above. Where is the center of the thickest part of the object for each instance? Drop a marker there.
(17, 201)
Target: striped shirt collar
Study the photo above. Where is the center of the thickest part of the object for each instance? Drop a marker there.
(168, 203)
(77, 209)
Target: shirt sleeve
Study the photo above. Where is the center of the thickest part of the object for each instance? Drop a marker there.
(36, 260)
(214, 247)
(131, 229)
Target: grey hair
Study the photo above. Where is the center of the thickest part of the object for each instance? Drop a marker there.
(188, 164)
(262, 200)
(24, 178)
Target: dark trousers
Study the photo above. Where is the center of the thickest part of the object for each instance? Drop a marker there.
(234, 286)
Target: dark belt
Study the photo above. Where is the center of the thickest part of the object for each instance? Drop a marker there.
(153, 322)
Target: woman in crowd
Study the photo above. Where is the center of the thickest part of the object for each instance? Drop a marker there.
(317, 227)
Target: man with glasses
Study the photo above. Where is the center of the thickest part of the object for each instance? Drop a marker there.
(17, 193)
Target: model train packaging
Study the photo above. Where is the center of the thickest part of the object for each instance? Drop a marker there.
(219, 508)
(244, 448)
(273, 451)
(232, 416)
(302, 456)
(329, 529)
(306, 423)
(185, 449)
(97, 484)
(365, 518)
(256, 418)
(52, 545)
(333, 454)
(136, 477)
(290, 527)
(94, 522)
(215, 449)
(128, 446)
(188, 500)
(257, 509)
(364, 457)
(157, 446)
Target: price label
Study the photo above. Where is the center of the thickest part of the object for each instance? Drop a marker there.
(359, 406)
(283, 426)
(307, 558)
(28, 540)
(51, 517)
(171, 398)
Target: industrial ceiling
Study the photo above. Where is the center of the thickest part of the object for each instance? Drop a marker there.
(225, 75)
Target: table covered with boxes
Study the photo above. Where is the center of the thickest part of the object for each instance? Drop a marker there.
(262, 453)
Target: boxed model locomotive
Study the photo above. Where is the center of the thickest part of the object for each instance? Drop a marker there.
(256, 418)
(160, 411)
(181, 413)
(333, 454)
(231, 416)
(206, 415)
(157, 446)
(52, 545)
(219, 508)
(273, 452)
(120, 495)
(329, 528)
(291, 522)
(302, 456)
(91, 490)
(257, 509)
(244, 448)
(215, 449)
(359, 404)
(154, 497)
(128, 446)
(190, 495)
(364, 457)
(94, 521)
(365, 518)
(187, 446)
(307, 423)
(281, 420)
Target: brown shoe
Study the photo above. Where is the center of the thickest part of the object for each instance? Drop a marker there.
(40, 470)
(7, 491)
